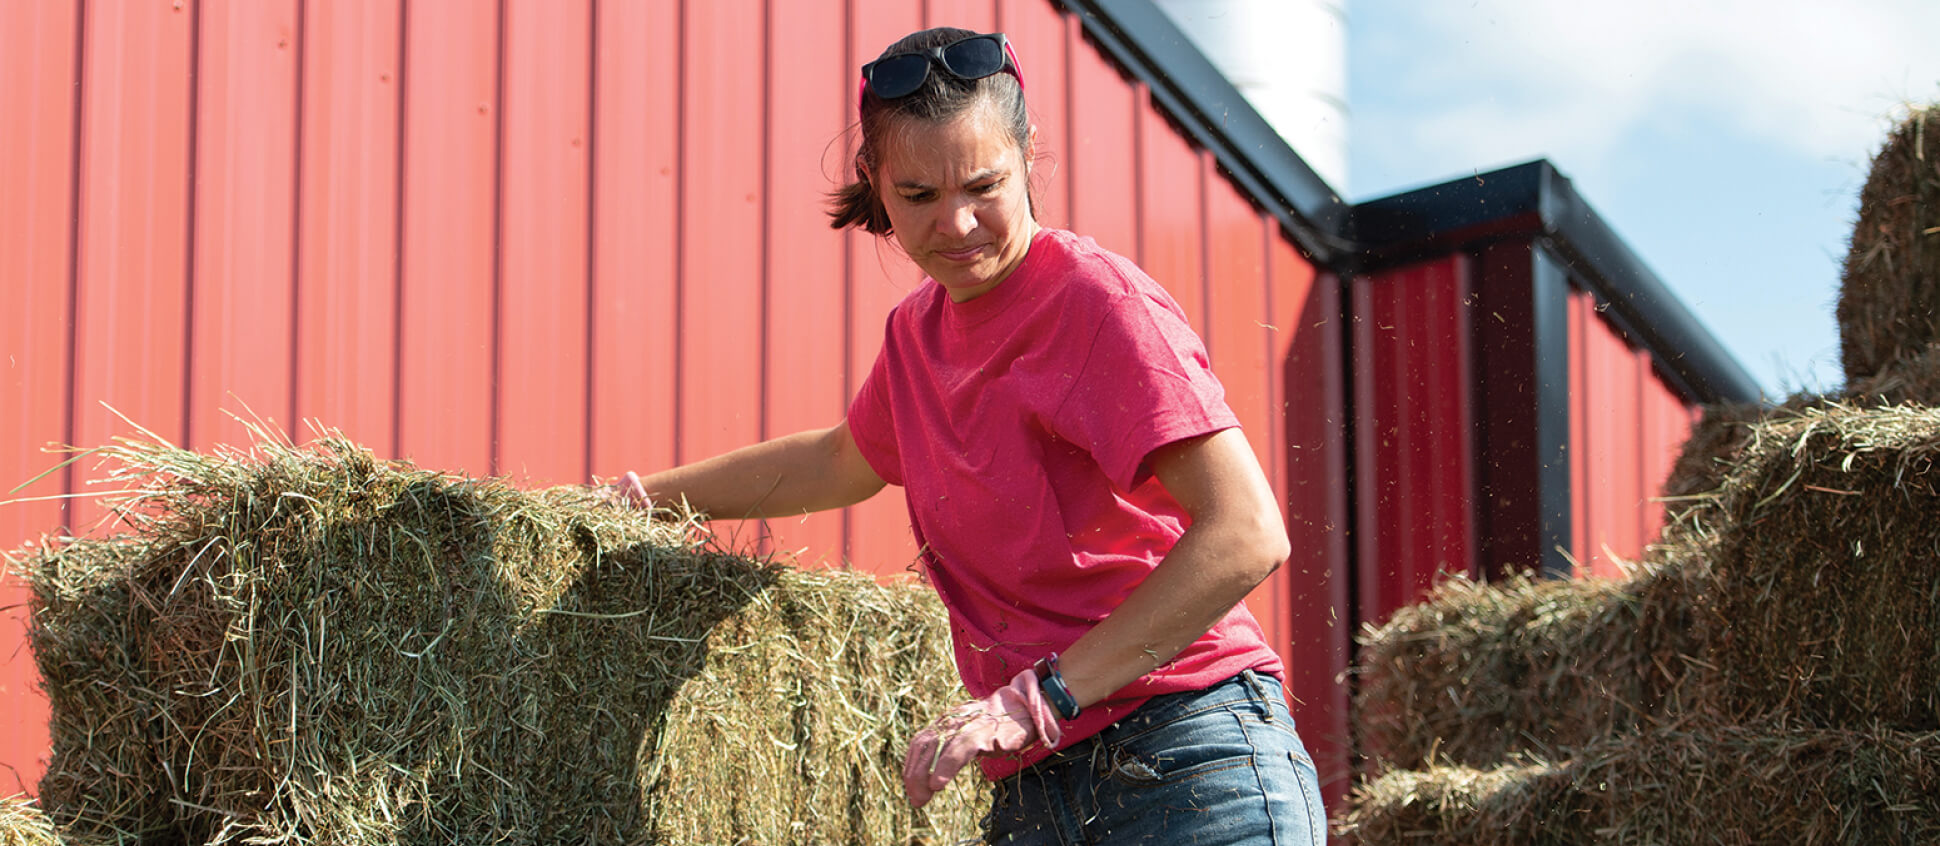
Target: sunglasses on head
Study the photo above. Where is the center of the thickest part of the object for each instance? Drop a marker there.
(970, 57)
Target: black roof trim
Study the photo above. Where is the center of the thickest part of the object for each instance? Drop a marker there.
(1535, 200)
(1530, 199)
(1141, 39)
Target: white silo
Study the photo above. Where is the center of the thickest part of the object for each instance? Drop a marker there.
(1289, 58)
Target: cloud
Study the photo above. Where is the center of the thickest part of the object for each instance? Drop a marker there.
(1516, 79)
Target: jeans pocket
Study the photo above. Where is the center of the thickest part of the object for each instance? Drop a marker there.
(1186, 749)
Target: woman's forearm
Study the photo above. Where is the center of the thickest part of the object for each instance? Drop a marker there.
(1210, 569)
(807, 471)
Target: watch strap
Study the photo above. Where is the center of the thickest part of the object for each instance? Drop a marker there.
(1051, 681)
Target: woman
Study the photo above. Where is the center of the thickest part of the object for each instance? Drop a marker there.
(1089, 511)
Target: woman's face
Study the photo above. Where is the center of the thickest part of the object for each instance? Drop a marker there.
(958, 198)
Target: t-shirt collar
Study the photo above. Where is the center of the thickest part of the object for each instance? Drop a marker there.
(996, 300)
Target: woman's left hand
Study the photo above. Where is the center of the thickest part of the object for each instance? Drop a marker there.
(1008, 720)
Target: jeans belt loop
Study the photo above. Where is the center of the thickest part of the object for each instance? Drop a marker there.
(1252, 681)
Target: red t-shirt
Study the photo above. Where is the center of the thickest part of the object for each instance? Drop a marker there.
(1018, 424)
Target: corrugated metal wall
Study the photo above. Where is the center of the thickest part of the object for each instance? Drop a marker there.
(1626, 428)
(1417, 440)
(559, 239)
(1414, 430)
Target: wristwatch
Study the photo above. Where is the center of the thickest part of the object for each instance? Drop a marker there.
(1051, 682)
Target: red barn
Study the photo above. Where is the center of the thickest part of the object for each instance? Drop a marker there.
(558, 240)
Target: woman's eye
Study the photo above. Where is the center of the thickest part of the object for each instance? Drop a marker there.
(918, 197)
(985, 188)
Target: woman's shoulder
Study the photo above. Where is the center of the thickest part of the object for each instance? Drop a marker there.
(1095, 275)
(1088, 267)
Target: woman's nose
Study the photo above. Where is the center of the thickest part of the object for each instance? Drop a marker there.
(958, 220)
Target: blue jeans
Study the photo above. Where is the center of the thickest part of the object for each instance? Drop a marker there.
(1221, 765)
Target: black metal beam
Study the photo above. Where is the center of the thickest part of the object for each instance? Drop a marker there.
(1555, 499)
(1534, 201)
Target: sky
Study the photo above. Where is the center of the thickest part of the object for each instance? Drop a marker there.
(1724, 140)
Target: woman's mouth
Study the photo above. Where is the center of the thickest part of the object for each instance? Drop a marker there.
(966, 254)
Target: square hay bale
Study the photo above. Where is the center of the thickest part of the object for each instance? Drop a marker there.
(1889, 293)
(309, 645)
(1714, 447)
(1826, 564)
(1478, 673)
(781, 677)
(22, 824)
(1909, 380)
(103, 710)
(1764, 783)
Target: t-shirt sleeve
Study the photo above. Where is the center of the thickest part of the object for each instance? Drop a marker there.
(872, 424)
(1145, 381)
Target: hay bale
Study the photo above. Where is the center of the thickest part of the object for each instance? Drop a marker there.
(1714, 447)
(786, 683)
(1826, 565)
(1478, 673)
(103, 712)
(309, 645)
(1728, 784)
(1518, 803)
(1913, 380)
(1716, 437)
(22, 824)
(1889, 296)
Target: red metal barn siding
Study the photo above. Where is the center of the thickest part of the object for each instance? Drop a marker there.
(1310, 472)
(347, 206)
(1666, 425)
(241, 315)
(1171, 242)
(635, 263)
(131, 263)
(545, 67)
(975, 15)
(448, 293)
(1101, 160)
(811, 99)
(1626, 427)
(1414, 430)
(38, 68)
(721, 194)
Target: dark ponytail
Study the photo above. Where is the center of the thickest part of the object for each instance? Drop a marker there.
(942, 97)
(858, 204)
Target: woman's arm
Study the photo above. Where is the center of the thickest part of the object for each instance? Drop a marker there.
(808, 471)
(1237, 538)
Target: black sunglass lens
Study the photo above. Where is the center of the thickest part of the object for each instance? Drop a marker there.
(898, 76)
(974, 58)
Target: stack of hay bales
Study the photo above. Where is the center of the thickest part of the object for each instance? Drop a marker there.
(1773, 668)
(1771, 671)
(307, 645)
